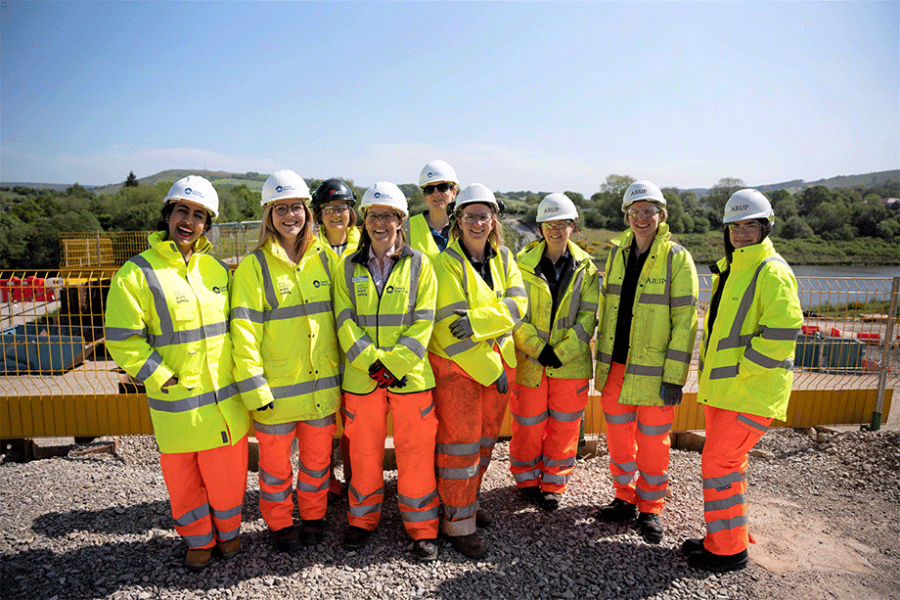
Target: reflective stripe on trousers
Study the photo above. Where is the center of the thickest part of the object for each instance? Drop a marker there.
(206, 492)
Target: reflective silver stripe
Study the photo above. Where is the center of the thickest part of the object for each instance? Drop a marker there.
(424, 412)
(545, 337)
(516, 292)
(153, 362)
(527, 475)
(736, 342)
(764, 361)
(177, 406)
(603, 357)
(447, 311)
(424, 314)
(314, 474)
(513, 308)
(576, 304)
(460, 473)
(629, 467)
(226, 536)
(381, 320)
(488, 442)
(566, 417)
(302, 486)
(276, 429)
(581, 334)
(654, 299)
(357, 348)
(714, 483)
(344, 316)
(458, 513)
(644, 370)
(459, 347)
(323, 257)
(298, 310)
(159, 296)
(681, 301)
(361, 511)
(462, 263)
(614, 289)
(626, 478)
(564, 463)
(525, 463)
(417, 516)
(700, 365)
(186, 336)
(724, 372)
(416, 503)
(306, 387)
(121, 334)
(779, 334)
(269, 479)
(620, 419)
(198, 541)
(193, 515)
(591, 307)
(744, 308)
(723, 524)
(247, 314)
(562, 323)
(414, 345)
(322, 422)
(360, 498)
(750, 422)
(654, 429)
(457, 449)
(555, 478)
(485, 462)
(650, 495)
(724, 503)
(678, 356)
(530, 421)
(228, 512)
(349, 269)
(348, 414)
(279, 496)
(582, 389)
(268, 287)
(253, 383)
(655, 479)
(415, 269)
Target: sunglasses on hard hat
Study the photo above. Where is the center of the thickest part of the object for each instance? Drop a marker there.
(441, 187)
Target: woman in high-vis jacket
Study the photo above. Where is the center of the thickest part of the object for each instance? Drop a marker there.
(385, 294)
(554, 355)
(287, 364)
(429, 232)
(167, 326)
(647, 331)
(481, 297)
(746, 362)
(332, 207)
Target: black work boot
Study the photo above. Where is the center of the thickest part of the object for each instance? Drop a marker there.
(651, 528)
(312, 532)
(425, 550)
(707, 561)
(356, 537)
(691, 545)
(286, 539)
(617, 511)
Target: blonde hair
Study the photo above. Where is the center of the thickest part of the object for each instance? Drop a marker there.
(495, 237)
(267, 230)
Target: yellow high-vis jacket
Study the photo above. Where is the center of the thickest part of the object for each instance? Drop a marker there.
(420, 238)
(492, 312)
(571, 331)
(393, 327)
(282, 325)
(664, 322)
(746, 361)
(353, 235)
(166, 317)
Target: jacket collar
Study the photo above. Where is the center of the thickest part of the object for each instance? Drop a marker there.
(169, 249)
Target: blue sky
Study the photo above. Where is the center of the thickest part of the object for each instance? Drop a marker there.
(544, 96)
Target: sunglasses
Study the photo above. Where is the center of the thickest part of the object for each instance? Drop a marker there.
(441, 187)
(335, 209)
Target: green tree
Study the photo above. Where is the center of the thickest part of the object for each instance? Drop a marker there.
(796, 228)
(617, 184)
(576, 198)
(675, 209)
(719, 194)
(132, 180)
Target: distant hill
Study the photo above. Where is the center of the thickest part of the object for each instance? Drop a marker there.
(220, 179)
(841, 181)
(56, 187)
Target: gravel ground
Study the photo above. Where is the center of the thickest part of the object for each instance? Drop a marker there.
(824, 511)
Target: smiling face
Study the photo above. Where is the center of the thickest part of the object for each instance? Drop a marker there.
(556, 233)
(187, 223)
(644, 219)
(383, 225)
(745, 233)
(288, 218)
(476, 222)
(336, 218)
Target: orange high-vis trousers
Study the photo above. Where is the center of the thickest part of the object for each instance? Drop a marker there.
(206, 492)
(469, 419)
(545, 427)
(730, 436)
(415, 426)
(638, 440)
(276, 474)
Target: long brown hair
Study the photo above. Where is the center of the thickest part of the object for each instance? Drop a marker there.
(495, 237)
(267, 230)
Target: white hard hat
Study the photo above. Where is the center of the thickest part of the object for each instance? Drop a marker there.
(196, 189)
(642, 191)
(282, 185)
(437, 170)
(385, 193)
(555, 207)
(747, 204)
(476, 193)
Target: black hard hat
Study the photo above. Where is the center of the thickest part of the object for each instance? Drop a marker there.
(332, 190)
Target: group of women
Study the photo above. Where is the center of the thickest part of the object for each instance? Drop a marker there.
(433, 320)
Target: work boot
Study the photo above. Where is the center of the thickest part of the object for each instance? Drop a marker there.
(229, 549)
(286, 539)
(531, 494)
(426, 550)
(483, 519)
(312, 532)
(356, 537)
(707, 561)
(617, 511)
(197, 558)
(691, 545)
(550, 501)
(651, 528)
(469, 545)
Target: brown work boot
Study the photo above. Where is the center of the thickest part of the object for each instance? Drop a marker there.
(483, 519)
(197, 558)
(469, 545)
(230, 548)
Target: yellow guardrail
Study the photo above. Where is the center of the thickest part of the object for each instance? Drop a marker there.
(56, 378)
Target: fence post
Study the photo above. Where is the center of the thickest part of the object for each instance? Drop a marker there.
(886, 357)
(99, 261)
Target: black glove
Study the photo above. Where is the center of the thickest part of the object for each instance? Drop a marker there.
(266, 407)
(670, 394)
(462, 327)
(381, 375)
(502, 383)
(548, 358)
(399, 383)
